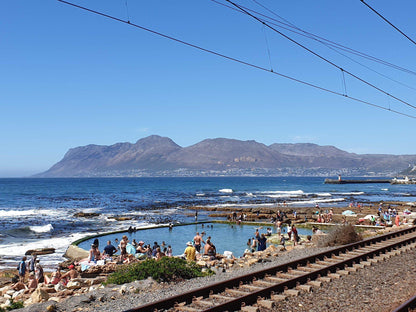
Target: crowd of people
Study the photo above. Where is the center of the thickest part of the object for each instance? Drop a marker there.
(31, 274)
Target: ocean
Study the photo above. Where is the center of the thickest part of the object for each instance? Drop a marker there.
(43, 213)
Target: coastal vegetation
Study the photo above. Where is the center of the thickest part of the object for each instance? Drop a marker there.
(13, 305)
(167, 269)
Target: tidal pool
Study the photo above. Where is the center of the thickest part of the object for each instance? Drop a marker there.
(225, 237)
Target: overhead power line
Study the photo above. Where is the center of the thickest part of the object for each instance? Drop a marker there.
(321, 57)
(290, 27)
(388, 22)
(235, 59)
(336, 47)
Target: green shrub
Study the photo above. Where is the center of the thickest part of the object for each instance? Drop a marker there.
(164, 270)
(15, 305)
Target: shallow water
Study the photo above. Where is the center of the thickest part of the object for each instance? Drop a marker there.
(224, 236)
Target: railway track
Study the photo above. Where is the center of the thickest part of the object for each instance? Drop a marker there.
(264, 287)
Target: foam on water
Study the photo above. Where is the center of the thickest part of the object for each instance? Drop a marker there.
(42, 228)
(314, 201)
(324, 194)
(27, 213)
(225, 190)
(297, 192)
(288, 195)
(349, 193)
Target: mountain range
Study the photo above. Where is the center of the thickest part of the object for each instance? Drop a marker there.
(160, 156)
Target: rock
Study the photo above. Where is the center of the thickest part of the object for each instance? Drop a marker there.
(3, 290)
(96, 281)
(86, 214)
(10, 292)
(17, 293)
(40, 251)
(39, 295)
(73, 285)
(51, 308)
(252, 261)
(123, 290)
(201, 263)
(75, 253)
(121, 218)
(58, 288)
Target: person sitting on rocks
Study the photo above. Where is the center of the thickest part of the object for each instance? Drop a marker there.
(17, 284)
(190, 252)
(40, 277)
(207, 245)
(141, 251)
(33, 283)
(56, 276)
(129, 259)
(94, 254)
(70, 275)
(109, 250)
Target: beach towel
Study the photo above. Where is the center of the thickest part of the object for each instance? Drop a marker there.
(130, 249)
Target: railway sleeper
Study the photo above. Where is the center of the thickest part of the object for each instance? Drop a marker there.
(315, 283)
(343, 272)
(251, 287)
(291, 292)
(204, 303)
(267, 304)
(323, 263)
(278, 297)
(250, 309)
(324, 279)
(263, 283)
(220, 297)
(287, 275)
(306, 288)
(306, 269)
(236, 292)
(186, 309)
(296, 272)
(275, 279)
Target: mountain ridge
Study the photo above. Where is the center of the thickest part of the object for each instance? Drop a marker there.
(161, 156)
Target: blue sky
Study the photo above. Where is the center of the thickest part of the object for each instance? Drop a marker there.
(71, 78)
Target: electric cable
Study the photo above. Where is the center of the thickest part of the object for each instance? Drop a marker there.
(321, 57)
(301, 32)
(388, 22)
(235, 59)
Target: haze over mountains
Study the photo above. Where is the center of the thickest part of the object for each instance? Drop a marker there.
(160, 156)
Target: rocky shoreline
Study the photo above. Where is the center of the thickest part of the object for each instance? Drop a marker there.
(88, 293)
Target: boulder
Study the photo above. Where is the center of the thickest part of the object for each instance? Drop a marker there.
(201, 263)
(73, 285)
(39, 295)
(17, 293)
(75, 253)
(40, 251)
(252, 261)
(86, 214)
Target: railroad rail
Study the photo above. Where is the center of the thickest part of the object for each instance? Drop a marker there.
(409, 305)
(241, 292)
